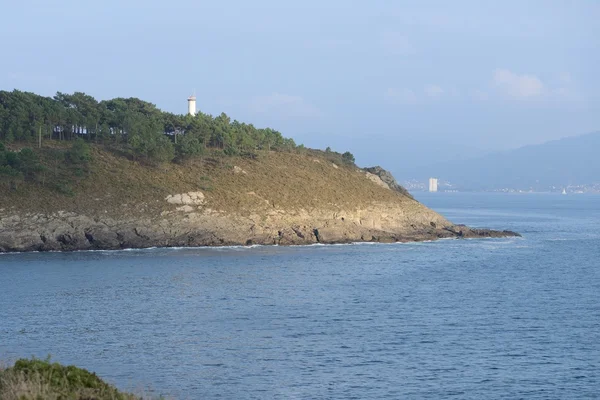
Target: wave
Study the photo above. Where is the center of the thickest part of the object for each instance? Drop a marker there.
(256, 246)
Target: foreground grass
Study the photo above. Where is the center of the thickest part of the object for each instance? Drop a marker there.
(41, 380)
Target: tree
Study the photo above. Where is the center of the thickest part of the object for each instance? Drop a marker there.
(9, 168)
(348, 158)
(79, 153)
(10, 177)
(146, 138)
(189, 146)
(29, 163)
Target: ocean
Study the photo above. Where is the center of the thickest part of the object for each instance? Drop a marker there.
(466, 319)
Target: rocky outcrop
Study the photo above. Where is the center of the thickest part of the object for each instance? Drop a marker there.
(188, 199)
(377, 180)
(388, 179)
(381, 222)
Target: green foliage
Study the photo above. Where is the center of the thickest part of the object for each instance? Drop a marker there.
(10, 177)
(348, 158)
(12, 159)
(154, 147)
(18, 166)
(131, 123)
(231, 150)
(64, 188)
(189, 146)
(40, 379)
(163, 150)
(79, 153)
(29, 163)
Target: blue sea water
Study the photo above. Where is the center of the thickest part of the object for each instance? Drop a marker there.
(490, 318)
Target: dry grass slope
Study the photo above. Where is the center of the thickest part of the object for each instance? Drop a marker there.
(116, 185)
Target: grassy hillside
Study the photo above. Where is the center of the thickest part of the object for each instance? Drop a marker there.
(112, 201)
(115, 184)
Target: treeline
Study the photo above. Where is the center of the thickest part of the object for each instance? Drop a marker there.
(137, 126)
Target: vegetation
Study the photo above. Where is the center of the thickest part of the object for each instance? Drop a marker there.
(55, 167)
(49, 141)
(15, 167)
(134, 125)
(40, 379)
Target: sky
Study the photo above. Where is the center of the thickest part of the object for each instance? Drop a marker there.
(397, 83)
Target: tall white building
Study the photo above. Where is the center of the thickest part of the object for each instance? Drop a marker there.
(433, 184)
(192, 105)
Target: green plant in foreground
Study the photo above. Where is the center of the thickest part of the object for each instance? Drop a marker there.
(40, 379)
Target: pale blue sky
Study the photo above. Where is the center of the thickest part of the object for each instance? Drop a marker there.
(396, 83)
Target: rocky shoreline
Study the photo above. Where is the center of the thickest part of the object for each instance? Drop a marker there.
(190, 227)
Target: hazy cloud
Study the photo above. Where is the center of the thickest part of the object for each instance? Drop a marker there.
(561, 89)
(433, 91)
(411, 96)
(401, 96)
(284, 105)
(519, 86)
(567, 93)
(330, 44)
(396, 43)
(565, 78)
(479, 95)
(566, 88)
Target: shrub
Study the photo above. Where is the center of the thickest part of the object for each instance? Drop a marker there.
(348, 158)
(40, 379)
(10, 176)
(12, 159)
(79, 152)
(29, 163)
(189, 146)
(65, 189)
(231, 150)
(153, 146)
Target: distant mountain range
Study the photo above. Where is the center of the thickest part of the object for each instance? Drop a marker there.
(572, 161)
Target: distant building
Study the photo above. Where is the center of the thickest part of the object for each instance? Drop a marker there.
(192, 105)
(433, 184)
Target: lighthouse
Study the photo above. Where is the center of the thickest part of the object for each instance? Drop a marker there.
(192, 105)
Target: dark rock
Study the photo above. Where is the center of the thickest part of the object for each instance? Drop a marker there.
(68, 231)
(388, 178)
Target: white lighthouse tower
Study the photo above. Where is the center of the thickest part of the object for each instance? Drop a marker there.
(192, 105)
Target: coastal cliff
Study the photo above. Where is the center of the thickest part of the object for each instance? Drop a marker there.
(268, 198)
